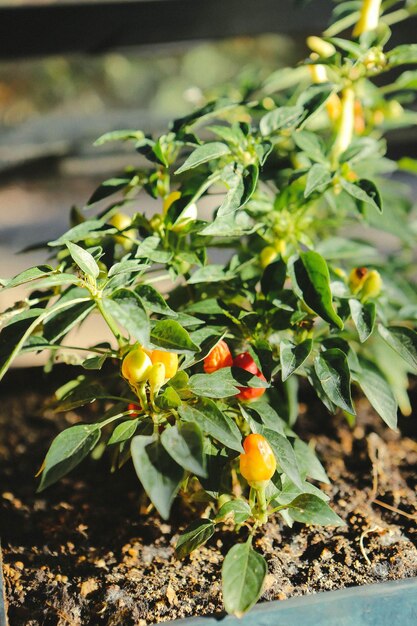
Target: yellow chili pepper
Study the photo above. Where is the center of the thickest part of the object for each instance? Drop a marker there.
(121, 221)
(365, 283)
(156, 378)
(369, 17)
(136, 366)
(267, 256)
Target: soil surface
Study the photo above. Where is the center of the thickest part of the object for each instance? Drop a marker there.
(87, 551)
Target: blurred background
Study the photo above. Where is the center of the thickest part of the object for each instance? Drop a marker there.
(72, 70)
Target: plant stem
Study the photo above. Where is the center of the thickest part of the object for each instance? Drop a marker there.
(157, 279)
(109, 321)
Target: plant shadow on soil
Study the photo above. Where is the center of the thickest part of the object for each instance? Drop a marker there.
(86, 551)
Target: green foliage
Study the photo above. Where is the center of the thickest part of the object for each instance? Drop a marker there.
(288, 169)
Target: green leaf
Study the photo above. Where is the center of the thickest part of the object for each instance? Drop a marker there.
(365, 191)
(119, 135)
(308, 462)
(219, 384)
(67, 450)
(170, 335)
(268, 415)
(210, 274)
(290, 491)
(82, 394)
(377, 390)
(127, 267)
(94, 362)
(312, 283)
(34, 273)
(184, 442)
(83, 231)
(62, 322)
(151, 248)
(333, 372)
(363, 315)
(123, 431)
(213, 422)
(279, 119)
(311, 144)
(284, 455)
(127, 309)
(159, 474)
(403, 340)
(233, 179)
(310, 509)
(238, 510)
(293, 356)
(243, 575)
(154, 301)
(194, 536)
(108, 188)
(204, 153)
(83, 259)
(169, 399)
(318, 178)
(274, 276)
(14, 336)
(314, 98)
(404, 54)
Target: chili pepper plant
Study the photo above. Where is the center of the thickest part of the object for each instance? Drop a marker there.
(198, 385)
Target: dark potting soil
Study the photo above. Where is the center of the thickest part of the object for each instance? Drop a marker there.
(87, 550)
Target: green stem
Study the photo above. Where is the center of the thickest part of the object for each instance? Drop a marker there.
(157, 279)
(109, 321)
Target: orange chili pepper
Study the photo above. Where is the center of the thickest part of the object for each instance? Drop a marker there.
(258, 463)
(168, 359)
(218, 358)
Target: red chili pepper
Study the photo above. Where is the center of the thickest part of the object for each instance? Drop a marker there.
(134, 406)
(245, 362)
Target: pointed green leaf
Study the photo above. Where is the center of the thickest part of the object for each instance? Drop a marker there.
(311, 279)
(126, 308)
(159, 474)
(284, 455)
(318, 178)
(213, 422)
(378, 391)
(363, 315)
(238, 510)
(293, 356)
(170, 335)
(403, 340)
(184, 442)
(280, 118)
(67, 450)
(34, 273)
(333, 372)
(310, 509)
(123, 431)
(204, 153)
(83, 259)
(194, 536)
(243, 575)
(365, 191)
